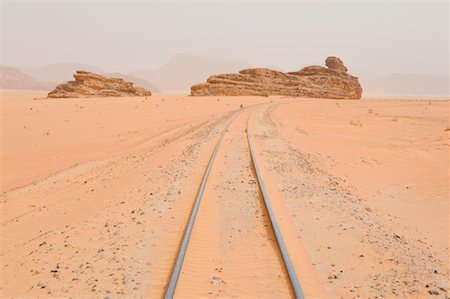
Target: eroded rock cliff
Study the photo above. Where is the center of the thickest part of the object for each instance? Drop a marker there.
(332, 82)
(88, 84)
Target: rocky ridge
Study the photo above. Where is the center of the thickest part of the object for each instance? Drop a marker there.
(332, 82)
(88, 84)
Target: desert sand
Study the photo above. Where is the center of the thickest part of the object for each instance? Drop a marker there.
(96, 194)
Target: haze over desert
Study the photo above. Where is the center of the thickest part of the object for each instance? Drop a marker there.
(240, 149)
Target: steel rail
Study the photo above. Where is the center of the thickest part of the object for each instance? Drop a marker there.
(286, 259)
(182, 251)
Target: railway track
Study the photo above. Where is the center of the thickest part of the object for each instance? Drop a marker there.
(267, 213)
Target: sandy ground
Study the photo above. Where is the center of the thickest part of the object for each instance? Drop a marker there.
(366, 184)
(96, 194)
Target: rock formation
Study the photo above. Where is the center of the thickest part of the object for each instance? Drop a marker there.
(332, 82)
(88, 84)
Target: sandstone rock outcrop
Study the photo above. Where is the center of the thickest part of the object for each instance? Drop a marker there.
(88, 84)
(334, 63)
(332, 82)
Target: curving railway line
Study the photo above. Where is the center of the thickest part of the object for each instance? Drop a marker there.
(240, 123)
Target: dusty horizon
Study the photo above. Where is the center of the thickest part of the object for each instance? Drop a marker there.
(182, 71)
(173, 45)
(368, 35)
(159, 169)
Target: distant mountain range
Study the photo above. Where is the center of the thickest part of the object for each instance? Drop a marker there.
(403, 85)
(176, 75)
(137, 81)
(12, 78)
(184, 70)
(59, 72)
(52, 75)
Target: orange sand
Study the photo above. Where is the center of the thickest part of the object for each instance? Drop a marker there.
(96, 194)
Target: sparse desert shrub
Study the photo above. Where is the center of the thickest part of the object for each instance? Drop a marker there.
(447, 129)
(356, 122)
(370, 111)
(395, 118)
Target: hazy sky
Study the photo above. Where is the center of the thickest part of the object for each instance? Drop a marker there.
(385, 37)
